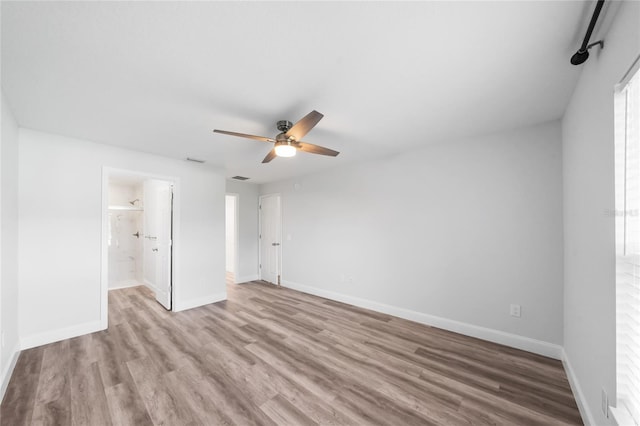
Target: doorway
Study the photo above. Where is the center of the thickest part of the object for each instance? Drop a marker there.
(138, 238)
(231, 237)
(270, 238)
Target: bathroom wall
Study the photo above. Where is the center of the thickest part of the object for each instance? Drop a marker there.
(125, 249)
(121, 193)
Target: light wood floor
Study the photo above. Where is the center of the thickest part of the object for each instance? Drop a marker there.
(276, 356)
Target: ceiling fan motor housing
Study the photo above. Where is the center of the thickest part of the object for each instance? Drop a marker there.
(284, 125)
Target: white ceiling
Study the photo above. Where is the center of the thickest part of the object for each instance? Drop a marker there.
(158, 77)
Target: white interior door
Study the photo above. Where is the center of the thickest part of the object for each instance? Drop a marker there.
(270, 238)
(158, 212)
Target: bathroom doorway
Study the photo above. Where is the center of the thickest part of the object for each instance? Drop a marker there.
(138, 238)
(125, 232)
(231, 237)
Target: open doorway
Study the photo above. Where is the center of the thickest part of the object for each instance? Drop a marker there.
(138, 239)
(231, 237)
(125, 229)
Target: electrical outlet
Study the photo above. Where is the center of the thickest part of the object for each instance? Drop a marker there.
(605, 404)
(515, 311)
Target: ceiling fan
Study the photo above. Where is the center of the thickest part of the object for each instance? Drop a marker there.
(288, 142)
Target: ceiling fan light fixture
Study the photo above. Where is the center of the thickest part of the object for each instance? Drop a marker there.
(285, 150)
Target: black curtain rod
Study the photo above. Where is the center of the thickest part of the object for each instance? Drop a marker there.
(583, 53)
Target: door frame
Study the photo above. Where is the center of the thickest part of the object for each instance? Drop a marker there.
(236, 237)
(260, 235)
(108, 172)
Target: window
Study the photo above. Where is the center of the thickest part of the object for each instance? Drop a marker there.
(627, 188)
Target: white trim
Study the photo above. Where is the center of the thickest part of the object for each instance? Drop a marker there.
(247, 278)
(201, 301)
(104, 251)
(8, 371)
(621, 416)
(175, 240)
(581, 401)
(512, 340)
(124, 284)
(40, 339)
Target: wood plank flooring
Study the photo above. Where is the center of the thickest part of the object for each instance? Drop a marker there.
(276, 356)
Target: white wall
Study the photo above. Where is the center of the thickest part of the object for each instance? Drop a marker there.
(248, 195)
(60, 204)
(451, 233)
(9, 245)
(589, 239)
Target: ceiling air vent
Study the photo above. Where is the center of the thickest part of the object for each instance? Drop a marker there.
(240, 178)
(195, 160)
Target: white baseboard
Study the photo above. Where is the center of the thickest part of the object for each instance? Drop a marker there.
(149, 285)
(583, 407)
(40, 339)
(194, 303)
(8, 371)
(124, 284)
(512, 340)
(246, 279)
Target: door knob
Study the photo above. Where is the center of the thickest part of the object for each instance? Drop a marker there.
(275, 244)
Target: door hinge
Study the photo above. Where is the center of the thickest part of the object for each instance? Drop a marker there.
(261, 266)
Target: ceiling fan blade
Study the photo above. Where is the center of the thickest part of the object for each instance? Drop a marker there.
(305, 124)
(270, 156)
(244, 135)
(316, 149)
